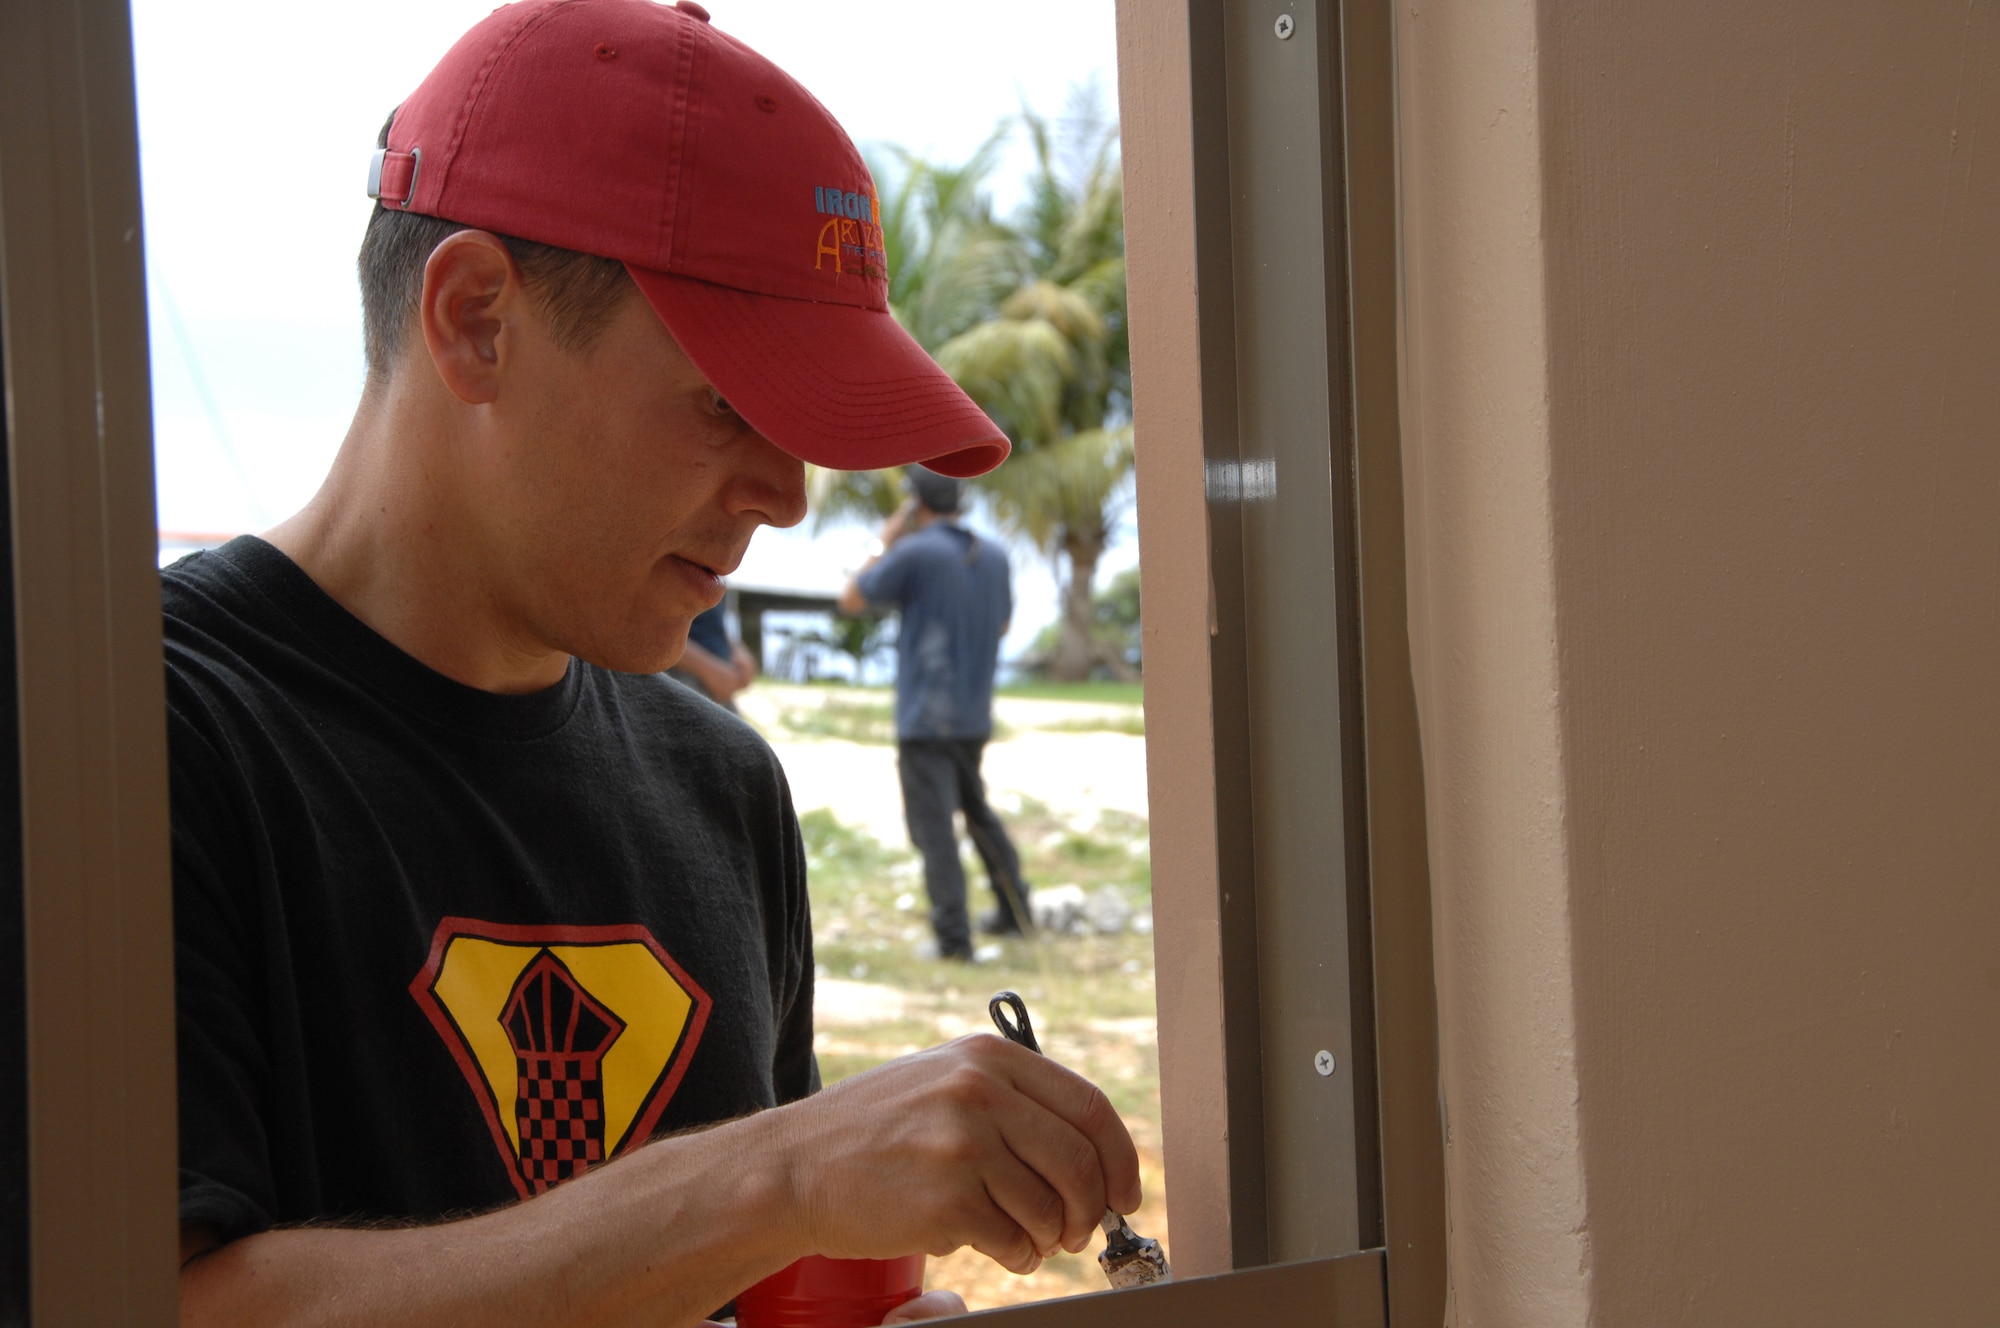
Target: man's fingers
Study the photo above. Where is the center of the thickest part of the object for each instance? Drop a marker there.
(982, 1219)
(931, 1305)
(1012, 1248)
(1065, 1165)
(1023, 1191)
(1080, 1103)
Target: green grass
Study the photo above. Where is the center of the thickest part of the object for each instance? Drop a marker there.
(868, 721)
(1101, 693)
(870, 913)
(1135, 725)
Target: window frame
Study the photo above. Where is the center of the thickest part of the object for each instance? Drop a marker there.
(1292, 896)
(96, 902)
(1205, 165)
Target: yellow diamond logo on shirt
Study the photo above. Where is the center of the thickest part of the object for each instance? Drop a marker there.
(573, 1039)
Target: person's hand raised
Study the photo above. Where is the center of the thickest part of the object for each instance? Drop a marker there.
(978, 1142)
(899, 522)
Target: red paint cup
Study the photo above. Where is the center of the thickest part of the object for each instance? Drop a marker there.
(818, 1292)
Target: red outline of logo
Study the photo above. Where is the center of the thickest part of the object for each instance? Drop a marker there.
(449, 929)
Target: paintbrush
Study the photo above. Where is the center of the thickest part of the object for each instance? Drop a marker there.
(1129, 1259)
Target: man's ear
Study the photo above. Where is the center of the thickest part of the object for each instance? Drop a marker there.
(472, 292)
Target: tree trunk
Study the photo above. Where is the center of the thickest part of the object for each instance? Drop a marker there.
(1076, 646)
(1120, 667)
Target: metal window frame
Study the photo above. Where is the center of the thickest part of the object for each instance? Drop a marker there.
(96, 902)
(1309, 907)
(1301, 920)
(1409, 1113)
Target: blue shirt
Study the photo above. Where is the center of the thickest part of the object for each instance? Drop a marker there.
(955, 593)
(710, 631)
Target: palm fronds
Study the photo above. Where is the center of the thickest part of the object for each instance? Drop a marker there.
(1028, 316)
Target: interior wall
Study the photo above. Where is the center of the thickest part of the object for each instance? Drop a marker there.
(1702, 317)
(1775, 318)
(1484, 654)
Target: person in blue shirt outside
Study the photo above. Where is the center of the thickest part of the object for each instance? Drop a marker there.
(954, 591)
(715, 663)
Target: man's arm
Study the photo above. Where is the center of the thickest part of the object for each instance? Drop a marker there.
(744, 663)
(852, 598)
(659, 1238)
(723, 678)
(977, 1143)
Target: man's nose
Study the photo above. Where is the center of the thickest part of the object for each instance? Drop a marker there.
(772, 484)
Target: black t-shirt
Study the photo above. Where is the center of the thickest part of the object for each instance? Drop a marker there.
(439, 948)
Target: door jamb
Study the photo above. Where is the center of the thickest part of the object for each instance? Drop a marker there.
(97, 908)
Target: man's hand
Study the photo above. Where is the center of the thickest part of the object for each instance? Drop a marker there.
(930, 1305)
(978, 1143)
(898, 524)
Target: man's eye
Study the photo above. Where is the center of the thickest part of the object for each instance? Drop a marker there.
(719, 403)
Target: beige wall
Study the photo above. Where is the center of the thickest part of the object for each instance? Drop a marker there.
(1477, 458)
(1702, 421)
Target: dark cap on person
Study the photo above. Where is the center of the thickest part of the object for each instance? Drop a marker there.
(938, 493)
(636, 131)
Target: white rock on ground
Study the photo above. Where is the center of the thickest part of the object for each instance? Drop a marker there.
(1106, 911)
(1058, 908)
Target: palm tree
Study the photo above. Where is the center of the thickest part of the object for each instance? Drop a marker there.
(1053, 367)
(1029, 318)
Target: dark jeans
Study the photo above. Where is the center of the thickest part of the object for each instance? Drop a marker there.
(941, 776)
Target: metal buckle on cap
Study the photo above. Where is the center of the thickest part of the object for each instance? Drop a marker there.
(376, 166)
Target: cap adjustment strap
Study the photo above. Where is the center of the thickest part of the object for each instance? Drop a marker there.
(392, 176)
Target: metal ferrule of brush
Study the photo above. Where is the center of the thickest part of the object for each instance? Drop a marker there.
(1130, 1259)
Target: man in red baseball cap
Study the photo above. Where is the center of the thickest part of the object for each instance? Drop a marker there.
(472, 904)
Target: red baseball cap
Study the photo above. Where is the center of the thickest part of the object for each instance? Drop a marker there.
(634, 130)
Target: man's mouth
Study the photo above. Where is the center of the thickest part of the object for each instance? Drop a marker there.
(719, 568)
(705, 577)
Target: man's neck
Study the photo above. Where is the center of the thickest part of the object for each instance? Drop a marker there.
(385, 538)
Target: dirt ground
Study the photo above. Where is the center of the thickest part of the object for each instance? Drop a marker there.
(1070, 779)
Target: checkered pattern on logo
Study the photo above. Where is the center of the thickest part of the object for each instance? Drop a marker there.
(560, 1034)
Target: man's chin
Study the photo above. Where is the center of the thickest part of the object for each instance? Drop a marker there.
(653, 656)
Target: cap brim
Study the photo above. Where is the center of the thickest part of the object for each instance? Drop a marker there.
(838, 386)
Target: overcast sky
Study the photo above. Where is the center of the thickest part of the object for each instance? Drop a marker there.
(256, 121)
